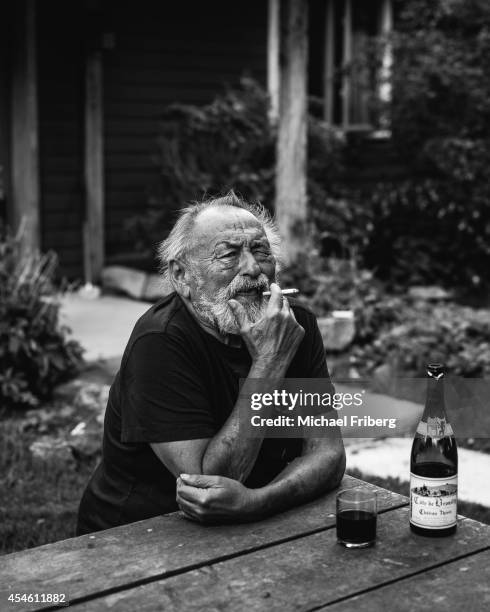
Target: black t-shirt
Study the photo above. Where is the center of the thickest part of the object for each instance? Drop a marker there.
(177, 382)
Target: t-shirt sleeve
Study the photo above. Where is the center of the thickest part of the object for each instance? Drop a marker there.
(310, 360)
(313, 363)
(318, 361)
(164, 395)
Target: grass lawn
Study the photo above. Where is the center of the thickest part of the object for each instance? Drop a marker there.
(38, 502)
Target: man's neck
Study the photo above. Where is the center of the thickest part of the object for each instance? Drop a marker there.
(228, 339)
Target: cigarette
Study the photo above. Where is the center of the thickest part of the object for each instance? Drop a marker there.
(284, 292)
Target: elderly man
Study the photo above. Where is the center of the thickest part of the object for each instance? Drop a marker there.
(177, 433)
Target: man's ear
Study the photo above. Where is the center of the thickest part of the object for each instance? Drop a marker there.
(178, 276)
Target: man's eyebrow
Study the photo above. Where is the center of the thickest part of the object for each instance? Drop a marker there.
(228, 243)
(237, 243)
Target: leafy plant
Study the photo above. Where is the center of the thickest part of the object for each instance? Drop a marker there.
(394, 328)
(227, 144)
(435, 226)
(328, 284)
(428, 231)
(35, 352)
(209, 149)
(421, 332)
(432, 227)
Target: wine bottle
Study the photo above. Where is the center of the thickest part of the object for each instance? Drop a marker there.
(434, 465)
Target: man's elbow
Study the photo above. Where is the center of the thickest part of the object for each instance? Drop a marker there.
(335, 464)
(339, 466)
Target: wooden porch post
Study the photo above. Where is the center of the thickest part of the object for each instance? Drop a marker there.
(94, 240)
(329, 64)
(346, 60)
(25, 140)
(273, 50)
(290, 205)
(384, 90)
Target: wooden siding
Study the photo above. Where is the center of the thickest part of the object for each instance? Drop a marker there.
(60, 78)
(163, 53)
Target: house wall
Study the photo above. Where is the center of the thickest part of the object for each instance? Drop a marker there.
(5, 56)
(60, 113)
(166, 52)
(154, 53)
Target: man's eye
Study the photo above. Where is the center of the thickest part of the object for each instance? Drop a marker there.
(228, 254)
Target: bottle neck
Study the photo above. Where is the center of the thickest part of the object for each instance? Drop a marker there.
(434, 423)
(435, 405)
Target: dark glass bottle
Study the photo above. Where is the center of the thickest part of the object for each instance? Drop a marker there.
(434, 465)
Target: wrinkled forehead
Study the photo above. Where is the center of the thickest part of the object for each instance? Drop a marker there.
(225, 223)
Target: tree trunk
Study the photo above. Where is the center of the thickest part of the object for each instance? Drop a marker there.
(290, 205)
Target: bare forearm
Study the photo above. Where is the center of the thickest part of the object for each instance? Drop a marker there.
(232, 452)
(307, 477)
(272, 342)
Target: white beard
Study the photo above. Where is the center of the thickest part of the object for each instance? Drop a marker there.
(217, 313)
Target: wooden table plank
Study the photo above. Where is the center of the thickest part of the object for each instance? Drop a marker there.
(162, 546)
(303, 574)
(461, 585)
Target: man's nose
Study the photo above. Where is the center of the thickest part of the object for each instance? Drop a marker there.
(249, 265)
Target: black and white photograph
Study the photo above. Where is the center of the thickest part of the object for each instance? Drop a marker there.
(245, 305)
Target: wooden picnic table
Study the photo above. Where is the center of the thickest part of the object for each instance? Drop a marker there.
(287, 562)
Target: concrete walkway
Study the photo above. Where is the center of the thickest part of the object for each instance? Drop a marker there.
(103, 326)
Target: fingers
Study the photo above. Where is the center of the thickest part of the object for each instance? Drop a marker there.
(276, 299)
(190, 494)
(196, 488)
(239, 312)
(204, 498)
(190, 510)
(195, 502)
(286, 309)
(202, 481)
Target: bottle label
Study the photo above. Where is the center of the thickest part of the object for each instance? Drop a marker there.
(433, 501)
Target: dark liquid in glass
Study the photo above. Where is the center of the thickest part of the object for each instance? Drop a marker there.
(356, 526)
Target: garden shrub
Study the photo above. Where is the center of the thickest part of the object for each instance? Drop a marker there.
(230, 143)
(206, 150)
(458, 335)
(35, 352)
(432, 227)
(436, 225)
(394, 328)
(328, 284)
(427, 232)
(441, 84)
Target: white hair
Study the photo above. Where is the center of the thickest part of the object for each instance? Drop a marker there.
(178, 242)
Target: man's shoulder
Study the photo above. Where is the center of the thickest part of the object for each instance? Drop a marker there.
(159, 317)
(167, 318)
(164, 327)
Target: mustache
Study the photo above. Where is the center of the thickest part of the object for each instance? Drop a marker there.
(237, 285)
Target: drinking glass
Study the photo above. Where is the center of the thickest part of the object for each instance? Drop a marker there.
(356, 517)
